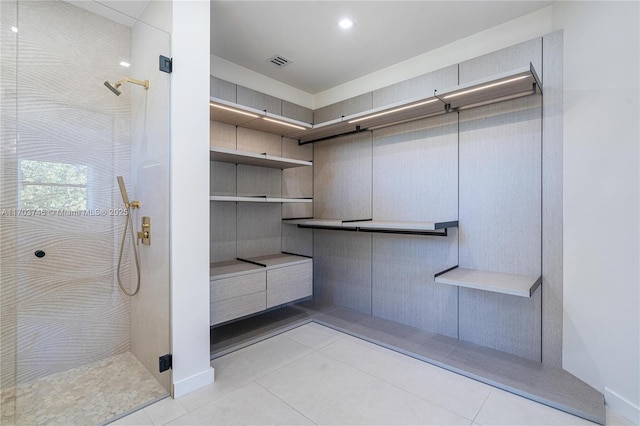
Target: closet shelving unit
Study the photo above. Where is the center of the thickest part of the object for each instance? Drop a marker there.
(245, 286)
(517, 83)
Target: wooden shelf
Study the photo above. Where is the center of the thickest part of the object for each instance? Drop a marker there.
(516, 285)
(232, 268)
(258, 199)
(253, 159)
(278, 260)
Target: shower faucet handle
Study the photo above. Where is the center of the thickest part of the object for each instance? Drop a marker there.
(145, 234)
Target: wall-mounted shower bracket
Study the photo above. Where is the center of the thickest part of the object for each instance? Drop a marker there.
(145, 234)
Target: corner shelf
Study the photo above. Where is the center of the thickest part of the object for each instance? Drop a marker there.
(253, 159)
(497, 282)
(258, 199)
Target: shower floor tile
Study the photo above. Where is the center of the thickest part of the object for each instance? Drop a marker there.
(89, 395)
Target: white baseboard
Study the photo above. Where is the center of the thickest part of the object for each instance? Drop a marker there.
(625, 408)
(192, 383)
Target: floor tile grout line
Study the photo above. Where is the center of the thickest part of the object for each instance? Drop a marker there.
(482, 406)
(311, 351)
(285, 402)
(396, 386)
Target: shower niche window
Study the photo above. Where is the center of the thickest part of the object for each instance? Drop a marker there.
(53, 186)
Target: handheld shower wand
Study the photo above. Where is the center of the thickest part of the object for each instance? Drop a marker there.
(128, 222)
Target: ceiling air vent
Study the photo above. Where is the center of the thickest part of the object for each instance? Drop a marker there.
(279, 61)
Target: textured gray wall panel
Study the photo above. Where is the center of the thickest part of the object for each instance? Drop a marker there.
(501, 321)
(222, 89)
(297, 112)
(260, 181)
(420, 86)
(500, 194)
(291, 149)
(222, 178)
(347, 107)
(503, 60)
(297, 240)
(415, 170)
(257, 100)
(222, 135)
(403, 287)
(342, 269)
(259, 142)
(342, 178)
(258, 229)
(222, 244)
(552, 201)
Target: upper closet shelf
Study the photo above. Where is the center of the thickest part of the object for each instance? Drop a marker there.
(516, 285)
(517, 83)
(258, 199)
(253, 159)
(514, 84)
(244, 116)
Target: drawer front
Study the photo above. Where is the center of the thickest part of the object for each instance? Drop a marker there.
(289, 283)
(226, 310)
(229, 288)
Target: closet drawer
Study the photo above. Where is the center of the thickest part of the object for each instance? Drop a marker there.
(228, 288)
(226, 310)
(289, 283)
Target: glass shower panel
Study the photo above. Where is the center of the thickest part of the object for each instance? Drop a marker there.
(8, 220)
(82, 351)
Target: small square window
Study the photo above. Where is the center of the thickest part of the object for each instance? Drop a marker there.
(54, 186)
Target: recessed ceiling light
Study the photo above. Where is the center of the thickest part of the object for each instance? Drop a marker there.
(346, 23)
(125, 64)
(14, 29)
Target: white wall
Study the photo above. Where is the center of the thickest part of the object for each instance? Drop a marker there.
(601, 186)
(189, 198)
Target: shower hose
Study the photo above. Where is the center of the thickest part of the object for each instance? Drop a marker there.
(128, 222)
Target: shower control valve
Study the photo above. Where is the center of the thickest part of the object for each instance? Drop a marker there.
(145, 234)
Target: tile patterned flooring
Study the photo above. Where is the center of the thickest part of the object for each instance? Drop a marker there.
(87, 395)
(316, 375)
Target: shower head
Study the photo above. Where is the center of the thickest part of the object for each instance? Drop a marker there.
(123, 190)
(113, 87)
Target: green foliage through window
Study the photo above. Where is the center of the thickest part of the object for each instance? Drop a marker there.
(47, 185)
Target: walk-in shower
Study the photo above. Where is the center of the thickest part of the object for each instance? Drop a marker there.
(74, 349)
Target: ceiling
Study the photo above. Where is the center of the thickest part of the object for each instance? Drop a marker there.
(323, 55)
